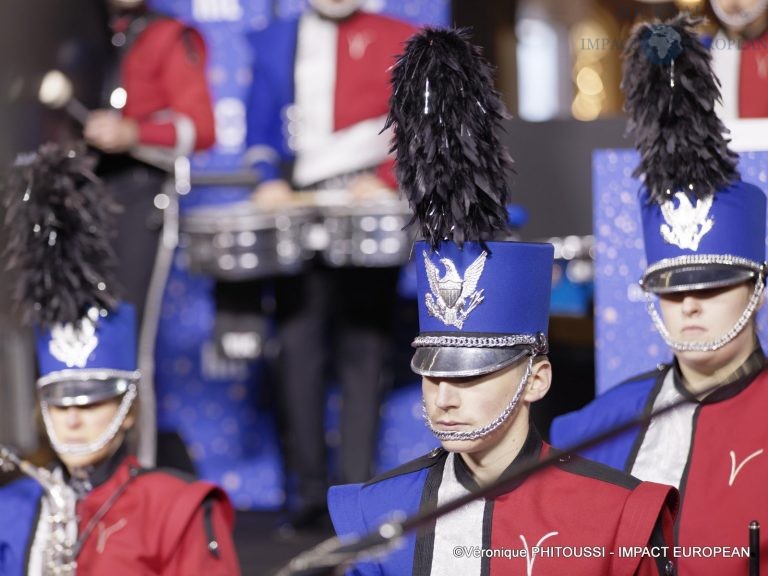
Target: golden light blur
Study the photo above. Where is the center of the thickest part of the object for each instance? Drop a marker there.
(589, 82)
(596, 42)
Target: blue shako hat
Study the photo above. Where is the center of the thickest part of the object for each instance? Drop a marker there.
(483, 303)
(89, 360)
(60, 219)
(481, 307)
(703, 227)
(699, 243)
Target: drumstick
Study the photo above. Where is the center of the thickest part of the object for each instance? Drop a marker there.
(56, 92)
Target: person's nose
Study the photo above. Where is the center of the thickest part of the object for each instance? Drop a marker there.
(73, 418)
(691, 305)
(447, 397)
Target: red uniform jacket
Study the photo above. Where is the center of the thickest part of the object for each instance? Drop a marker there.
(717, 449)
(365, 50)
(160, 524)
(753, 78)
(573, 518)
(164, 76)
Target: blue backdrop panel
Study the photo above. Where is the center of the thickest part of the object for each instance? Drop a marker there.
(404, 435)
(626, 342)
(211, 401)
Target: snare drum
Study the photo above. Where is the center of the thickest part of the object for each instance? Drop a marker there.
(242, 242)
(367, 234)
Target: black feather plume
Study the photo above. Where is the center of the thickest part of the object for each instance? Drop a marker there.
(446, 118)
(59, 219)
(670, 100)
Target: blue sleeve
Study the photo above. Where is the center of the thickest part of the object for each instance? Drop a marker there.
(263, 127)
(613, 409)
(344, 507)
(269, 95)
(19, 501)
(358, 509)
(348, 521)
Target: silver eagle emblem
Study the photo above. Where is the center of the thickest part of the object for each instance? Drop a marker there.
(687, 224)
(453, 297)
(73, 343)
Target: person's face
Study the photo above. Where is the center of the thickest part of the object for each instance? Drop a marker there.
(335, 8)
(705, 316)
(737, 14)
(465, 404)
(736, 7)
(83, 425)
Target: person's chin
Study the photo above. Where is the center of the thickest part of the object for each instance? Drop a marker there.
(335, 11)
(694, 355)
(460, 446)
(78, 461)
(700, 361)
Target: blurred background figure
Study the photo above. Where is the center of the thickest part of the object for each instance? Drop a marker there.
(156, 103)
(156, 107)
(317, 106)
(740, 57)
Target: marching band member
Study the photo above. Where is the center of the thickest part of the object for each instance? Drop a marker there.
(96, 511)
(159, 84)
(315, 115)
(482, 354)
(704, 232)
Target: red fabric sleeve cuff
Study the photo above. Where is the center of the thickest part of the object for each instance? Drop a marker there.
(154, 134)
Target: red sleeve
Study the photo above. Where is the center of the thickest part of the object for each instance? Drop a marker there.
(646, 521)
(196, 554)
(664, 538)
(649, 567)
(184, 82)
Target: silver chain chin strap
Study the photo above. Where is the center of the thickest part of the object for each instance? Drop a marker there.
(478, 433)
(680, 346)
(101, 441)
(58, 510)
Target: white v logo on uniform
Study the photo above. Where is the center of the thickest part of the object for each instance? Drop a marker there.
(736, 469)
(105, 532)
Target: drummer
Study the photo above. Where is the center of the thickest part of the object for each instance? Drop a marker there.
(330, 67)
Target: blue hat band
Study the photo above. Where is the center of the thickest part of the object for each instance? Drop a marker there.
(481, 307)
(100, 343)
(500, 288)
(713, 241)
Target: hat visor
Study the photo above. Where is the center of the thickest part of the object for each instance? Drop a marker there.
(457, 362)
(82, 390)
(696, 277)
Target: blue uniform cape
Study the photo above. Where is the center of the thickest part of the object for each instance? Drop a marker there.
(357, 509)
(19, 510)
(627, 401)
